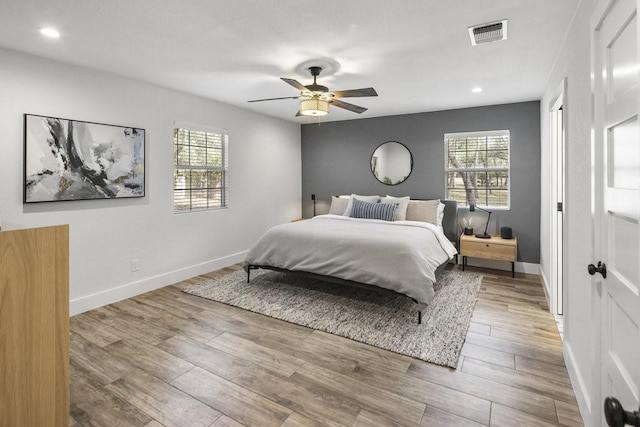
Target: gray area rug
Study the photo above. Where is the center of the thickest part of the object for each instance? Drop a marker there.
(379, 319)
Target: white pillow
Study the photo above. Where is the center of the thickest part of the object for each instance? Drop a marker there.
(338, 205)
(370, 199)
(403, 202)
(440, 214)
(423, 210)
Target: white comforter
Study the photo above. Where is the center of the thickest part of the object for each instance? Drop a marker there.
(401, 256)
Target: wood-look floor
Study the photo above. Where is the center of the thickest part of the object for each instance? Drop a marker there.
(166, 358)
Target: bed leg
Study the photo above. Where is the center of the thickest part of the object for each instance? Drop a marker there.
(248, 273)
(420, 307)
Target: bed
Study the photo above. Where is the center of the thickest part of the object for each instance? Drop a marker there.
(403, 256)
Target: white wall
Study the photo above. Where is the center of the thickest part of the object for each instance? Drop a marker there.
(105, 235)
(580, 327)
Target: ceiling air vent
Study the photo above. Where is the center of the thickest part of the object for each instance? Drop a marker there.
(490, 32)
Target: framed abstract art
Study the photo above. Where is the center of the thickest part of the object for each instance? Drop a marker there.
(75, 160)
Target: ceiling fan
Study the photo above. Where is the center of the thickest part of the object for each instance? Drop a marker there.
(316, 98)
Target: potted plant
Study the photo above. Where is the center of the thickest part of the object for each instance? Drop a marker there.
(467, 223)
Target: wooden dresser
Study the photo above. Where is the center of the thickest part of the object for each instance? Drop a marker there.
(495, 248)
(34, 327)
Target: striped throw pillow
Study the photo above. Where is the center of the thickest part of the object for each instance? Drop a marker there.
(368, 210)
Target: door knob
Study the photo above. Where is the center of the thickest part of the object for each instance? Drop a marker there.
(601, 268)
(616, 416)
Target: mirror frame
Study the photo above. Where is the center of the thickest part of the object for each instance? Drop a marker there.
(371, 167)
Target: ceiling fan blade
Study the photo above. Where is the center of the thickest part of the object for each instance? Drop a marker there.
(295, 84)
(351, 107)
(353, 93)
(274, 99)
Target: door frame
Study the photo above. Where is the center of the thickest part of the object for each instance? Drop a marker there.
(597, 198)
(557, 228)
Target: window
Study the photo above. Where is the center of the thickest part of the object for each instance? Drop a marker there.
(477, 168)
(200, 174)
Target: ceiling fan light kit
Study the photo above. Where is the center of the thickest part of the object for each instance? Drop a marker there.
(316, 98)
(314, 107)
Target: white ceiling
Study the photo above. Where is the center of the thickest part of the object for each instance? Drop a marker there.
(415, 53)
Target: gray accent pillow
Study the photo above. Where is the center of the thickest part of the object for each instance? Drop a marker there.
(371, 199)
(368, 210)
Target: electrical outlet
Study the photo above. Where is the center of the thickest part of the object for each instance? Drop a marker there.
(135, 264)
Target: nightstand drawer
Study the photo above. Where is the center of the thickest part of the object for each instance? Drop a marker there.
(482, 248)
(496, 248)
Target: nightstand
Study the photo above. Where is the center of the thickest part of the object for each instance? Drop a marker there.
(496, 248)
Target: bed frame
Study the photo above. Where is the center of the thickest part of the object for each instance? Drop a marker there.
(449, 225)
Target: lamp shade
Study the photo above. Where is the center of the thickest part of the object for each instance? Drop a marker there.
(314, 107)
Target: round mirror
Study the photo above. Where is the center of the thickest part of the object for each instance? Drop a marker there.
(391, 163)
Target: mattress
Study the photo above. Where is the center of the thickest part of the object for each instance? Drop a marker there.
(401, 256)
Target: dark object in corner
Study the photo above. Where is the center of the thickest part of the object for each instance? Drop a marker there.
(506, 233)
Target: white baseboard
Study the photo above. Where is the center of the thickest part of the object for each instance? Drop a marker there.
(545, 283)
(578, 384)
(520, 267)
(109, 296)
(527, 267)
(546, 288)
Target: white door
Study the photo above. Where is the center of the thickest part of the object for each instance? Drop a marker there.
(616, 209)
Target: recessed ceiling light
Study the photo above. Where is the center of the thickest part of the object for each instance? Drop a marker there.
(52, 33)
(476, 89)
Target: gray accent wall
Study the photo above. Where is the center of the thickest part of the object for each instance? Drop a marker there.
(336, 155)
